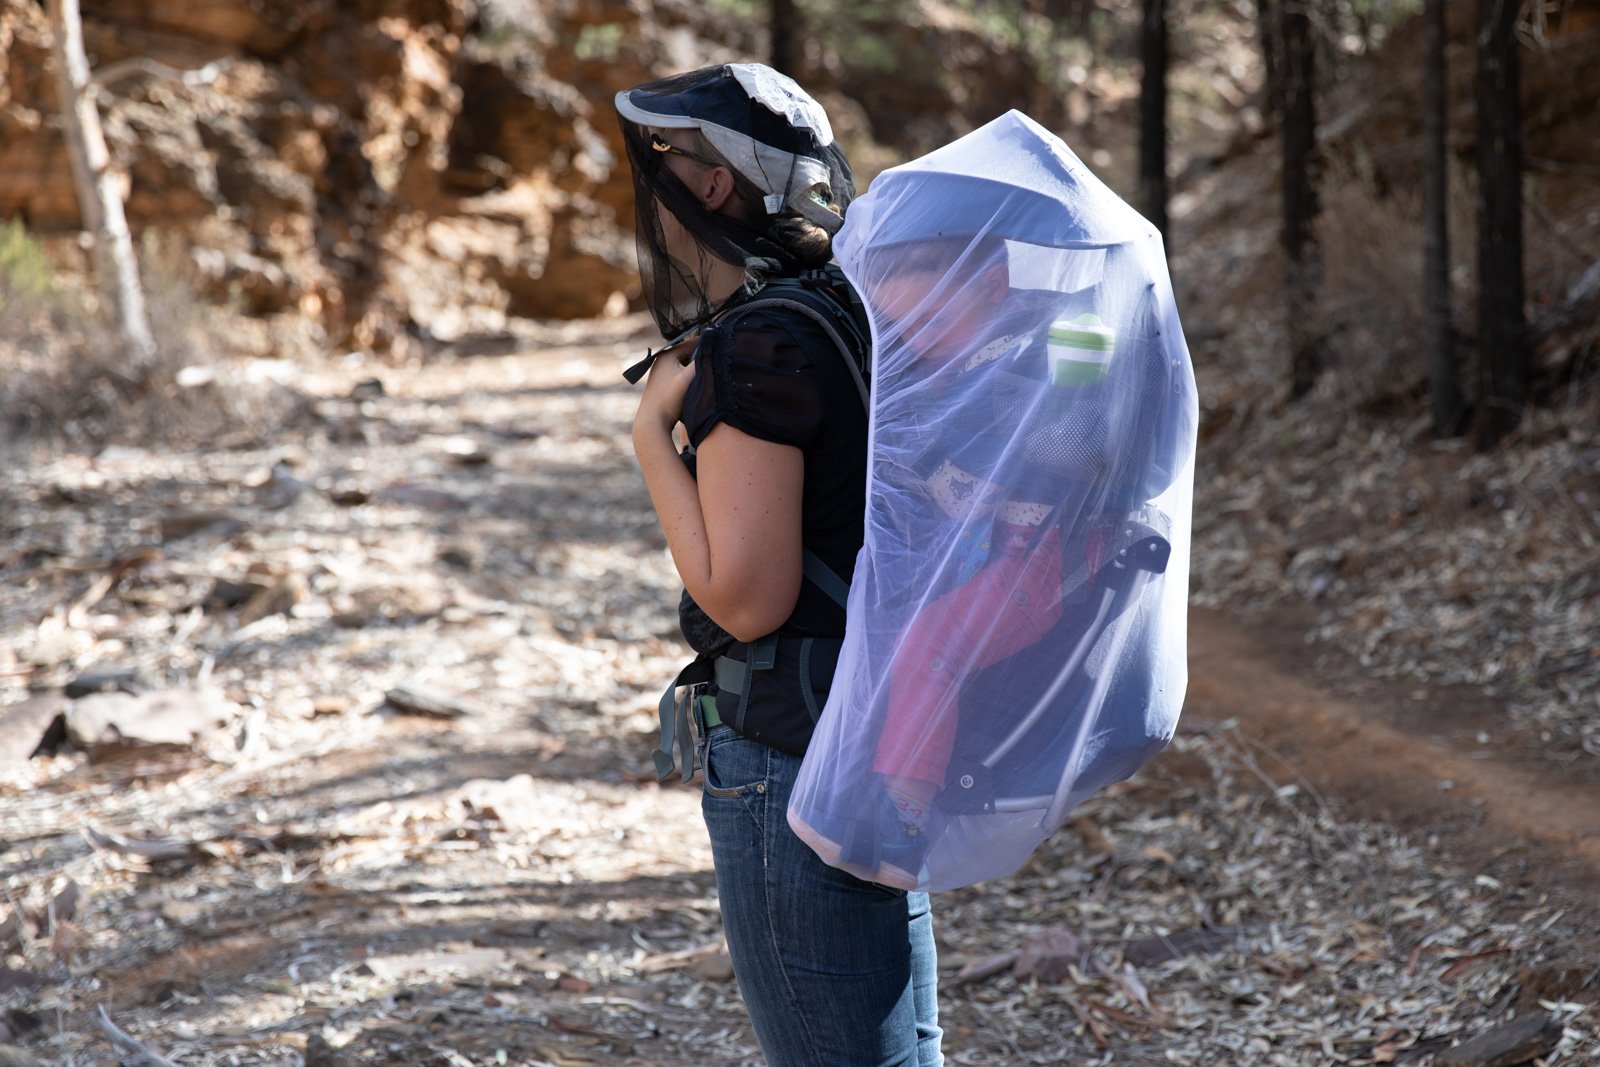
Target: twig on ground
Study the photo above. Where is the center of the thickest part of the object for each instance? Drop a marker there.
(1301, 782)
(130, 1045)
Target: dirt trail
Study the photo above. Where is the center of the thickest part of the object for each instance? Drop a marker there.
(1432, 773)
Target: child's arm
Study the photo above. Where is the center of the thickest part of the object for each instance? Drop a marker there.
(1008, 605)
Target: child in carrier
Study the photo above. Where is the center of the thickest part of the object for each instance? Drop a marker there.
(1026, 404)
(1007, 592)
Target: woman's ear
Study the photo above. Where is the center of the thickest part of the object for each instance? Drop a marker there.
(716, 187)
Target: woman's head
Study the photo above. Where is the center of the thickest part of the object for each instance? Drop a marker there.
(736, 178)
(725, 189)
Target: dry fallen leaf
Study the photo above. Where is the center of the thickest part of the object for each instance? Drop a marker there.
(461, 962)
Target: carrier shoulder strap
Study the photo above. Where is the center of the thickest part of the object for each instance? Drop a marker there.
(816, 294)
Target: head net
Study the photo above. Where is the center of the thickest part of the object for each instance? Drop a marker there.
(789, 176)
(1016, 620)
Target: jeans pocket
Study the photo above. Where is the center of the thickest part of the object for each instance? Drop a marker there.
(734, 766)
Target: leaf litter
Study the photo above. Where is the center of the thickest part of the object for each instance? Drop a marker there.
(332, 880)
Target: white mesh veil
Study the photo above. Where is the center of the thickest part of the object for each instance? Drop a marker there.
(1017, 617)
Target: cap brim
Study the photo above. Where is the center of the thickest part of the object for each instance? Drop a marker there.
(665, 119)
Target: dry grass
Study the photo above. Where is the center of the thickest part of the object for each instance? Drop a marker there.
(1371, 307)
(69, 376)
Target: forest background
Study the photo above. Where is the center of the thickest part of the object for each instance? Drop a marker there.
(385, 248)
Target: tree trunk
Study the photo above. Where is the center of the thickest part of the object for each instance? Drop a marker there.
(1298, 132)
(1153, 117)
(1075, 15)
(788, 42)
(1444, 378)
(1269, 32)
(1502, 328)
(99, 198)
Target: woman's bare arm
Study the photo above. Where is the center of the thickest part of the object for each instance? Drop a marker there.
(743, 564)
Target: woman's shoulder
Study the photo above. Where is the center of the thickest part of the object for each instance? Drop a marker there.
(814, 313)
(760, 372)
(775, 335)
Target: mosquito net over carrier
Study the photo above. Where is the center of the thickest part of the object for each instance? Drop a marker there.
(1016, 633)
(778, 144)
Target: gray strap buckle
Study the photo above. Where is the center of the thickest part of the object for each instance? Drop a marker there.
(677, 753)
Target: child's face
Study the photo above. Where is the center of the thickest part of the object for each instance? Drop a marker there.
(938, 312)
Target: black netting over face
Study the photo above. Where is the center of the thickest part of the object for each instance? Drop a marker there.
(791, 186)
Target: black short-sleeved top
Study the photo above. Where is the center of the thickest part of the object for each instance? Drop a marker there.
(775, 375)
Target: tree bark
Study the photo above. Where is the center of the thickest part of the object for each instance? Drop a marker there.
(1298, 133)
(99, 198)
(1269, 35)
(1502, 326)
(1153, 117)
(1444, 377)
(788, 41)
(1073, 14)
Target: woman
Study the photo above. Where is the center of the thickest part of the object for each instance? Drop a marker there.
(738, 183)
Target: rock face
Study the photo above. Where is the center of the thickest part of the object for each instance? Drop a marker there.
(394, 172)
(388, 169)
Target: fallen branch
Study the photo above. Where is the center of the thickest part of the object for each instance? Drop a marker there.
(1517, 1042)
(132, 68)
(987, 967)
(131, 1046)
(1096, 1031)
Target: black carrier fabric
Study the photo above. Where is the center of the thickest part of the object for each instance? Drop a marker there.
(776, 374)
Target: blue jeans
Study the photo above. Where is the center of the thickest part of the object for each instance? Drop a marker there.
(835, 972)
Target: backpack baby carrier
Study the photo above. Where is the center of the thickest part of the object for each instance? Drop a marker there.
(1016, 621)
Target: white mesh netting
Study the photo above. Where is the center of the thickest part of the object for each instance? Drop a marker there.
(1016, 634)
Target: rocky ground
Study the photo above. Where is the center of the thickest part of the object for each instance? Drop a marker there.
(392, 806)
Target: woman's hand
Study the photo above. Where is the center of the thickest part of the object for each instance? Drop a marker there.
(661, 406)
